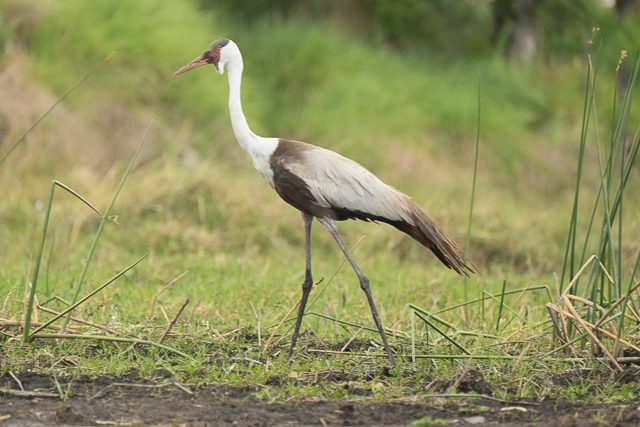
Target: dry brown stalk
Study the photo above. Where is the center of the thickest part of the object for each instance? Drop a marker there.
(603, 331)
(577, 276)
(590, 304)
(563, 314)
(173, 322)
(353, 337)
(19, 324)
(617, 303)
(558, 330)
(588, 330)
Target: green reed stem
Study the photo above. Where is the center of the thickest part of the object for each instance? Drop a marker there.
(36, 268)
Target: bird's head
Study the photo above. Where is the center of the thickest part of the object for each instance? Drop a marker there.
(219, 53)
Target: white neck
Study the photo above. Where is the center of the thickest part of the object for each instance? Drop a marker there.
(241, 129)
(259, 148)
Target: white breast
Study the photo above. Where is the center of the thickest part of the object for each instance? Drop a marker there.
(260, 153)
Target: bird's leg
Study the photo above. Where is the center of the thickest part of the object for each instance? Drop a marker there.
(308, 280)
(364, 284)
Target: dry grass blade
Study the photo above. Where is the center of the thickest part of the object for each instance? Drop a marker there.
(591, 326)
(165, 287)
(587, 329)
(179, 386)
(136, 385)
(575, 278)
(559, 330)
(20, 324)
(77, 320)
(278, 326)
(617, 303)
(16, 379)
(353, 337)
(173, 322)
(588, 303)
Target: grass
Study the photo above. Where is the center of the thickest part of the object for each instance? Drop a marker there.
(214, 236)
(36, 269)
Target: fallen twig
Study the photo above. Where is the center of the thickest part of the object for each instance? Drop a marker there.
(20, 324)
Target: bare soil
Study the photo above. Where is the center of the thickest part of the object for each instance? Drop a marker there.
(132, 401)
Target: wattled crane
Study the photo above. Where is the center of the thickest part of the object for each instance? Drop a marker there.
(326, 186)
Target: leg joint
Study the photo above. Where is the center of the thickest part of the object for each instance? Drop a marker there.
(308, 281)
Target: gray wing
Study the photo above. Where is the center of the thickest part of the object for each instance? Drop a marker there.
(341, 184)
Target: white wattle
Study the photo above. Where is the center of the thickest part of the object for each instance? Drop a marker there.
(259, 148)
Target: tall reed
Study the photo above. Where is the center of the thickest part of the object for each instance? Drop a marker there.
(609, 280)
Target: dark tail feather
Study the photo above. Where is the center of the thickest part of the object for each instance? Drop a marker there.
(435, 238)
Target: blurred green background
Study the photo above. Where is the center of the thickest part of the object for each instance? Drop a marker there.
(399, 86)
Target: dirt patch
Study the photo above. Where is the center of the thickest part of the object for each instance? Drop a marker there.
(132, 401)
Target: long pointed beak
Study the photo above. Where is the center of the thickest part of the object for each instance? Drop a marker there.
(193, 64)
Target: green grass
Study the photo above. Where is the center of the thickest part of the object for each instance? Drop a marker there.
(214, 231)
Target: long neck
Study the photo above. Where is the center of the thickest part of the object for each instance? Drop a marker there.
(246, 138)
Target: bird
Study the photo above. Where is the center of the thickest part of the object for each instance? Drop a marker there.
(328, 187)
